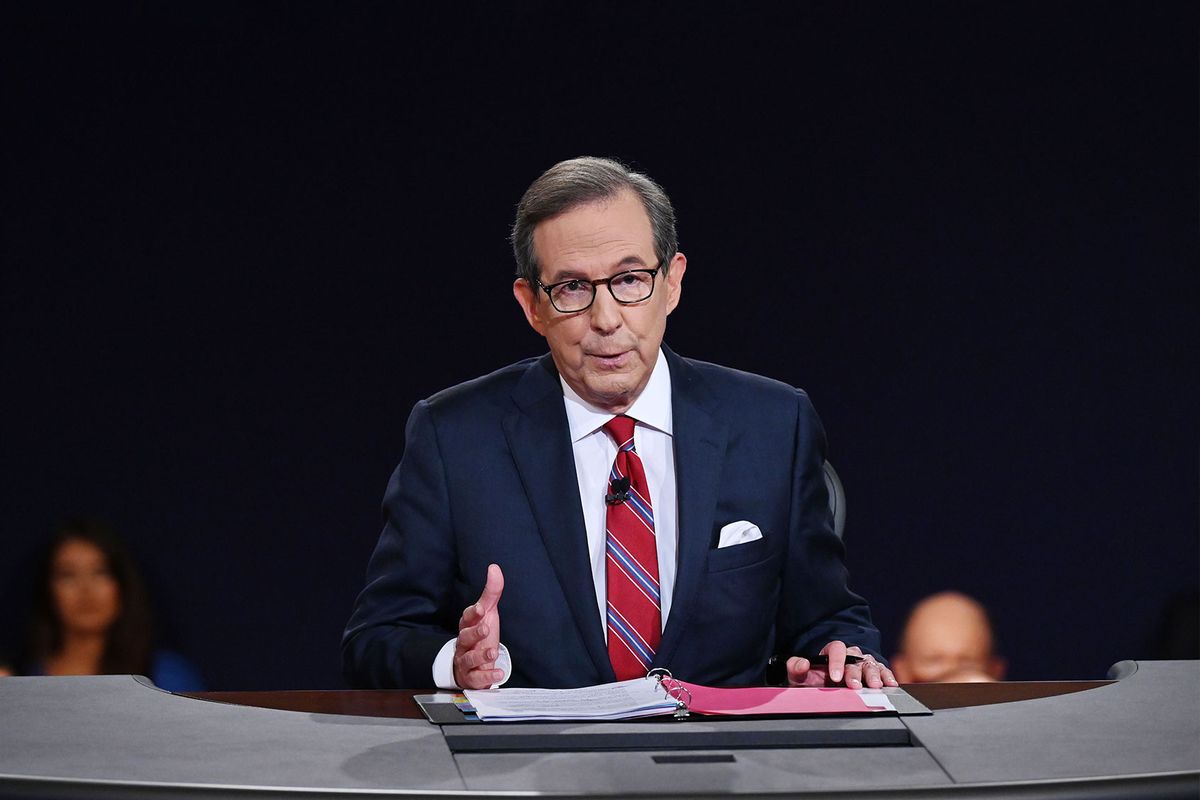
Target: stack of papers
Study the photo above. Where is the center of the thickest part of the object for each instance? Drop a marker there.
(640, 697)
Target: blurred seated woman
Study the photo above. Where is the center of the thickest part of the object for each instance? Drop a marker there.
(91, 615)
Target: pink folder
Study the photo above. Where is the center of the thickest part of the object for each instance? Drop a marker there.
(777, 700)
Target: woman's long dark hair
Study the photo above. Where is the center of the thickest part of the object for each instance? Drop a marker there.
(128, 644)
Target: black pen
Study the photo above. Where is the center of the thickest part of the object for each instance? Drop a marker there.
(824, 660)
(777, 671)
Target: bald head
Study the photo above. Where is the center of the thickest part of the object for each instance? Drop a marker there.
(947, 638)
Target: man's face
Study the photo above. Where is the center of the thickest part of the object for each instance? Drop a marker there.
(607, 352)
(947, 652)
(947, 640)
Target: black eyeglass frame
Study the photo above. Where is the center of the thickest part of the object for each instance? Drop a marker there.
(607, 282)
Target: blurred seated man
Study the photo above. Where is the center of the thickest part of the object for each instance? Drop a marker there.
(947, 639)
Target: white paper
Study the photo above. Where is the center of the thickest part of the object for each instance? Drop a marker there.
(639, 697)
(875, 698)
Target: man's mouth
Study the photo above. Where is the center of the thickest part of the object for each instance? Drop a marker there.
(616, 359)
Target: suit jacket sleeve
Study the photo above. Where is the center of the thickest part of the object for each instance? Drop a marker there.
(816, 606)
(405, 614)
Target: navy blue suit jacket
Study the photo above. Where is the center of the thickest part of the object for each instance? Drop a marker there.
(488, 476)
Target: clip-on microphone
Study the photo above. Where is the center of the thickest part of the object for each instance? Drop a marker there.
(618, 491)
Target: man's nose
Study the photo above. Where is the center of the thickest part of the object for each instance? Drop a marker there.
(606, 312)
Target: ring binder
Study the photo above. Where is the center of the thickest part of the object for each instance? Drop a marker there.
(659, 693)
(674, 690)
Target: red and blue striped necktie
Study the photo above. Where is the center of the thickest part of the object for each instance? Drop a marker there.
(634, 613)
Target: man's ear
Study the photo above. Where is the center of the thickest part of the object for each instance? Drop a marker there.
(675, 280)
(527, 298)
(995, 668)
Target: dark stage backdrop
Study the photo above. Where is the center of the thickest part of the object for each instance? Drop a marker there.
(241, 240)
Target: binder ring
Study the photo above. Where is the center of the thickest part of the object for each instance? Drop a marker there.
(678, 692)
(672, 689)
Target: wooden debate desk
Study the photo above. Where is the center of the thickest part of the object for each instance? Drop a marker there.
(119, 736)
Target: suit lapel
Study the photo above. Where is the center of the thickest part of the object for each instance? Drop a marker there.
(699, 438)
(540, 441)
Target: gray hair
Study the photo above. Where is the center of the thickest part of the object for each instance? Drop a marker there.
(583, 180)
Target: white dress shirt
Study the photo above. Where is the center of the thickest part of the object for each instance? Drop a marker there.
(594, 451)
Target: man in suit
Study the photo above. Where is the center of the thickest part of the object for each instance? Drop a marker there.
(618, 507)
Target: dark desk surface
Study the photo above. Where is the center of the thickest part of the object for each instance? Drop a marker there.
(114, 736)
(399, 703)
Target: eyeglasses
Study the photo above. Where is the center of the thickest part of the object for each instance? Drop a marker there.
(578, 294)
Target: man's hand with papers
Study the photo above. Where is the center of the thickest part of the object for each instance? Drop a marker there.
(868, 671)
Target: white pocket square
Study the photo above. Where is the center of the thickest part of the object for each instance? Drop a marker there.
(739, 532)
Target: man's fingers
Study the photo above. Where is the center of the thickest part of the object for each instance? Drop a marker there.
(492, 589)
(474, 614)
(889, 679)
(866, 672)
(471, 636)
(801, 672)
(835, 651)
(869, 673)
(854, 676)
(471, 615)
(480, 678)
(872, 674)
(476, 659)
(477, 647)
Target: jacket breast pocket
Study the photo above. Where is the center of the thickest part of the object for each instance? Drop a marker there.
(723, 559)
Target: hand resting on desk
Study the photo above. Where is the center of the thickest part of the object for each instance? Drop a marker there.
(869, 672)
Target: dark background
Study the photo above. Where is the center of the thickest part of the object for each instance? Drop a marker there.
(240, 241)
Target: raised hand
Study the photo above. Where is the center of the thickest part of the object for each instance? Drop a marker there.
(478, 643)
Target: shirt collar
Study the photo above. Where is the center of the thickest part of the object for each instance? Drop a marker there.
(652, 407)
